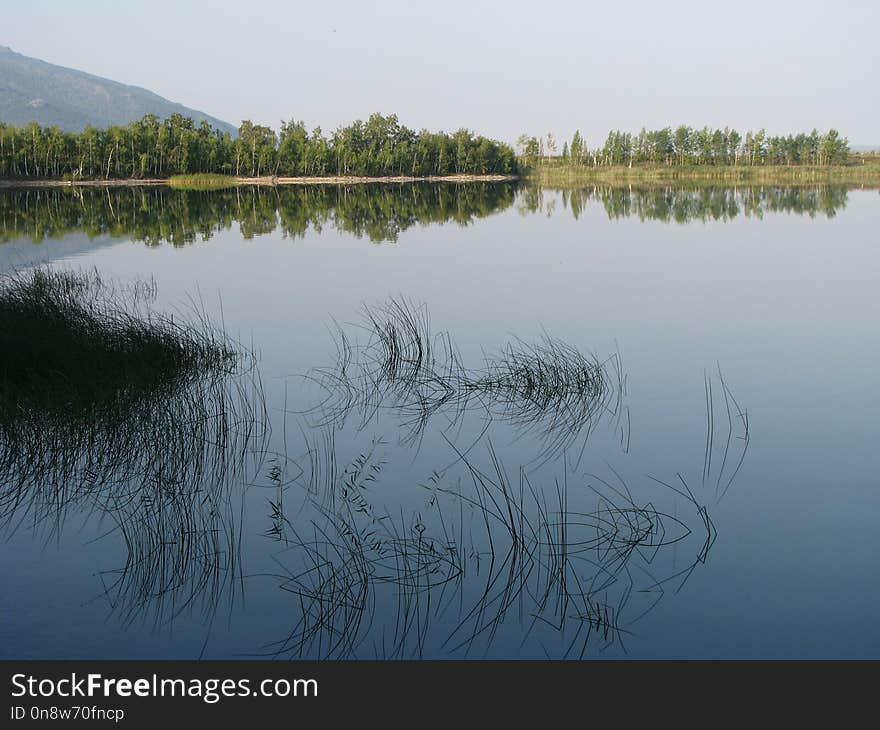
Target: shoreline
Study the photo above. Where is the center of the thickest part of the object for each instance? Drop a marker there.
(554, 175)
(269, 181)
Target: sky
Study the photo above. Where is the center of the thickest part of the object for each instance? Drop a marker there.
(498, 68)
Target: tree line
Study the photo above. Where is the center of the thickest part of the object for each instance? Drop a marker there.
(159, 148)
(688, 146)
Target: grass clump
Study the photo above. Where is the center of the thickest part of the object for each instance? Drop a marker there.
(202, 181)
(548, 387)
(556, 173)
(130, 416)
(68, 341)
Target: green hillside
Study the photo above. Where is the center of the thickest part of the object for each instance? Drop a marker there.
(33, 90)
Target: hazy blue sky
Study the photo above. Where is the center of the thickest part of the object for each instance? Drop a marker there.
(500, 68)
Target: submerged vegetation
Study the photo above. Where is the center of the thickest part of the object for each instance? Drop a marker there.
(154, 148)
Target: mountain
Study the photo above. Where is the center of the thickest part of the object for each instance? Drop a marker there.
(33, 90)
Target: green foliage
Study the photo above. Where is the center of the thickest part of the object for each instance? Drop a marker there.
(578, 149)
(860, 169)
(154, 148)
(529, 148)
(706, 147)
(202, 181)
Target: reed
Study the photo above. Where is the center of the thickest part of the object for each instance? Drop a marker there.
(393, 360)
(487, 553)
(134, 418)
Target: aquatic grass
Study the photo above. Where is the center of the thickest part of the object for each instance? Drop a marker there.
(736, 438)
(176, 504)
(157, 456)
(132, 418)
(202, 181)
(491, 552)
(861, 169)
(550, 387)
(68, 341)
(546, 387)
(346, 553)
(485, 555)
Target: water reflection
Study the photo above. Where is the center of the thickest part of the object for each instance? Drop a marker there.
(589, 282)
(156, 215)
(685, 204)
(497, 557)
(152, 431)
(523, 551)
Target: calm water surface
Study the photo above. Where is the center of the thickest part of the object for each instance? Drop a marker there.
(721, 502)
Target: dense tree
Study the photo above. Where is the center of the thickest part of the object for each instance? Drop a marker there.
(151, 147)
(577, 149)
(529, 148)
(687, 146)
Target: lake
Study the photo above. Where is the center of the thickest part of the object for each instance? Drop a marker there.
(484, 420)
